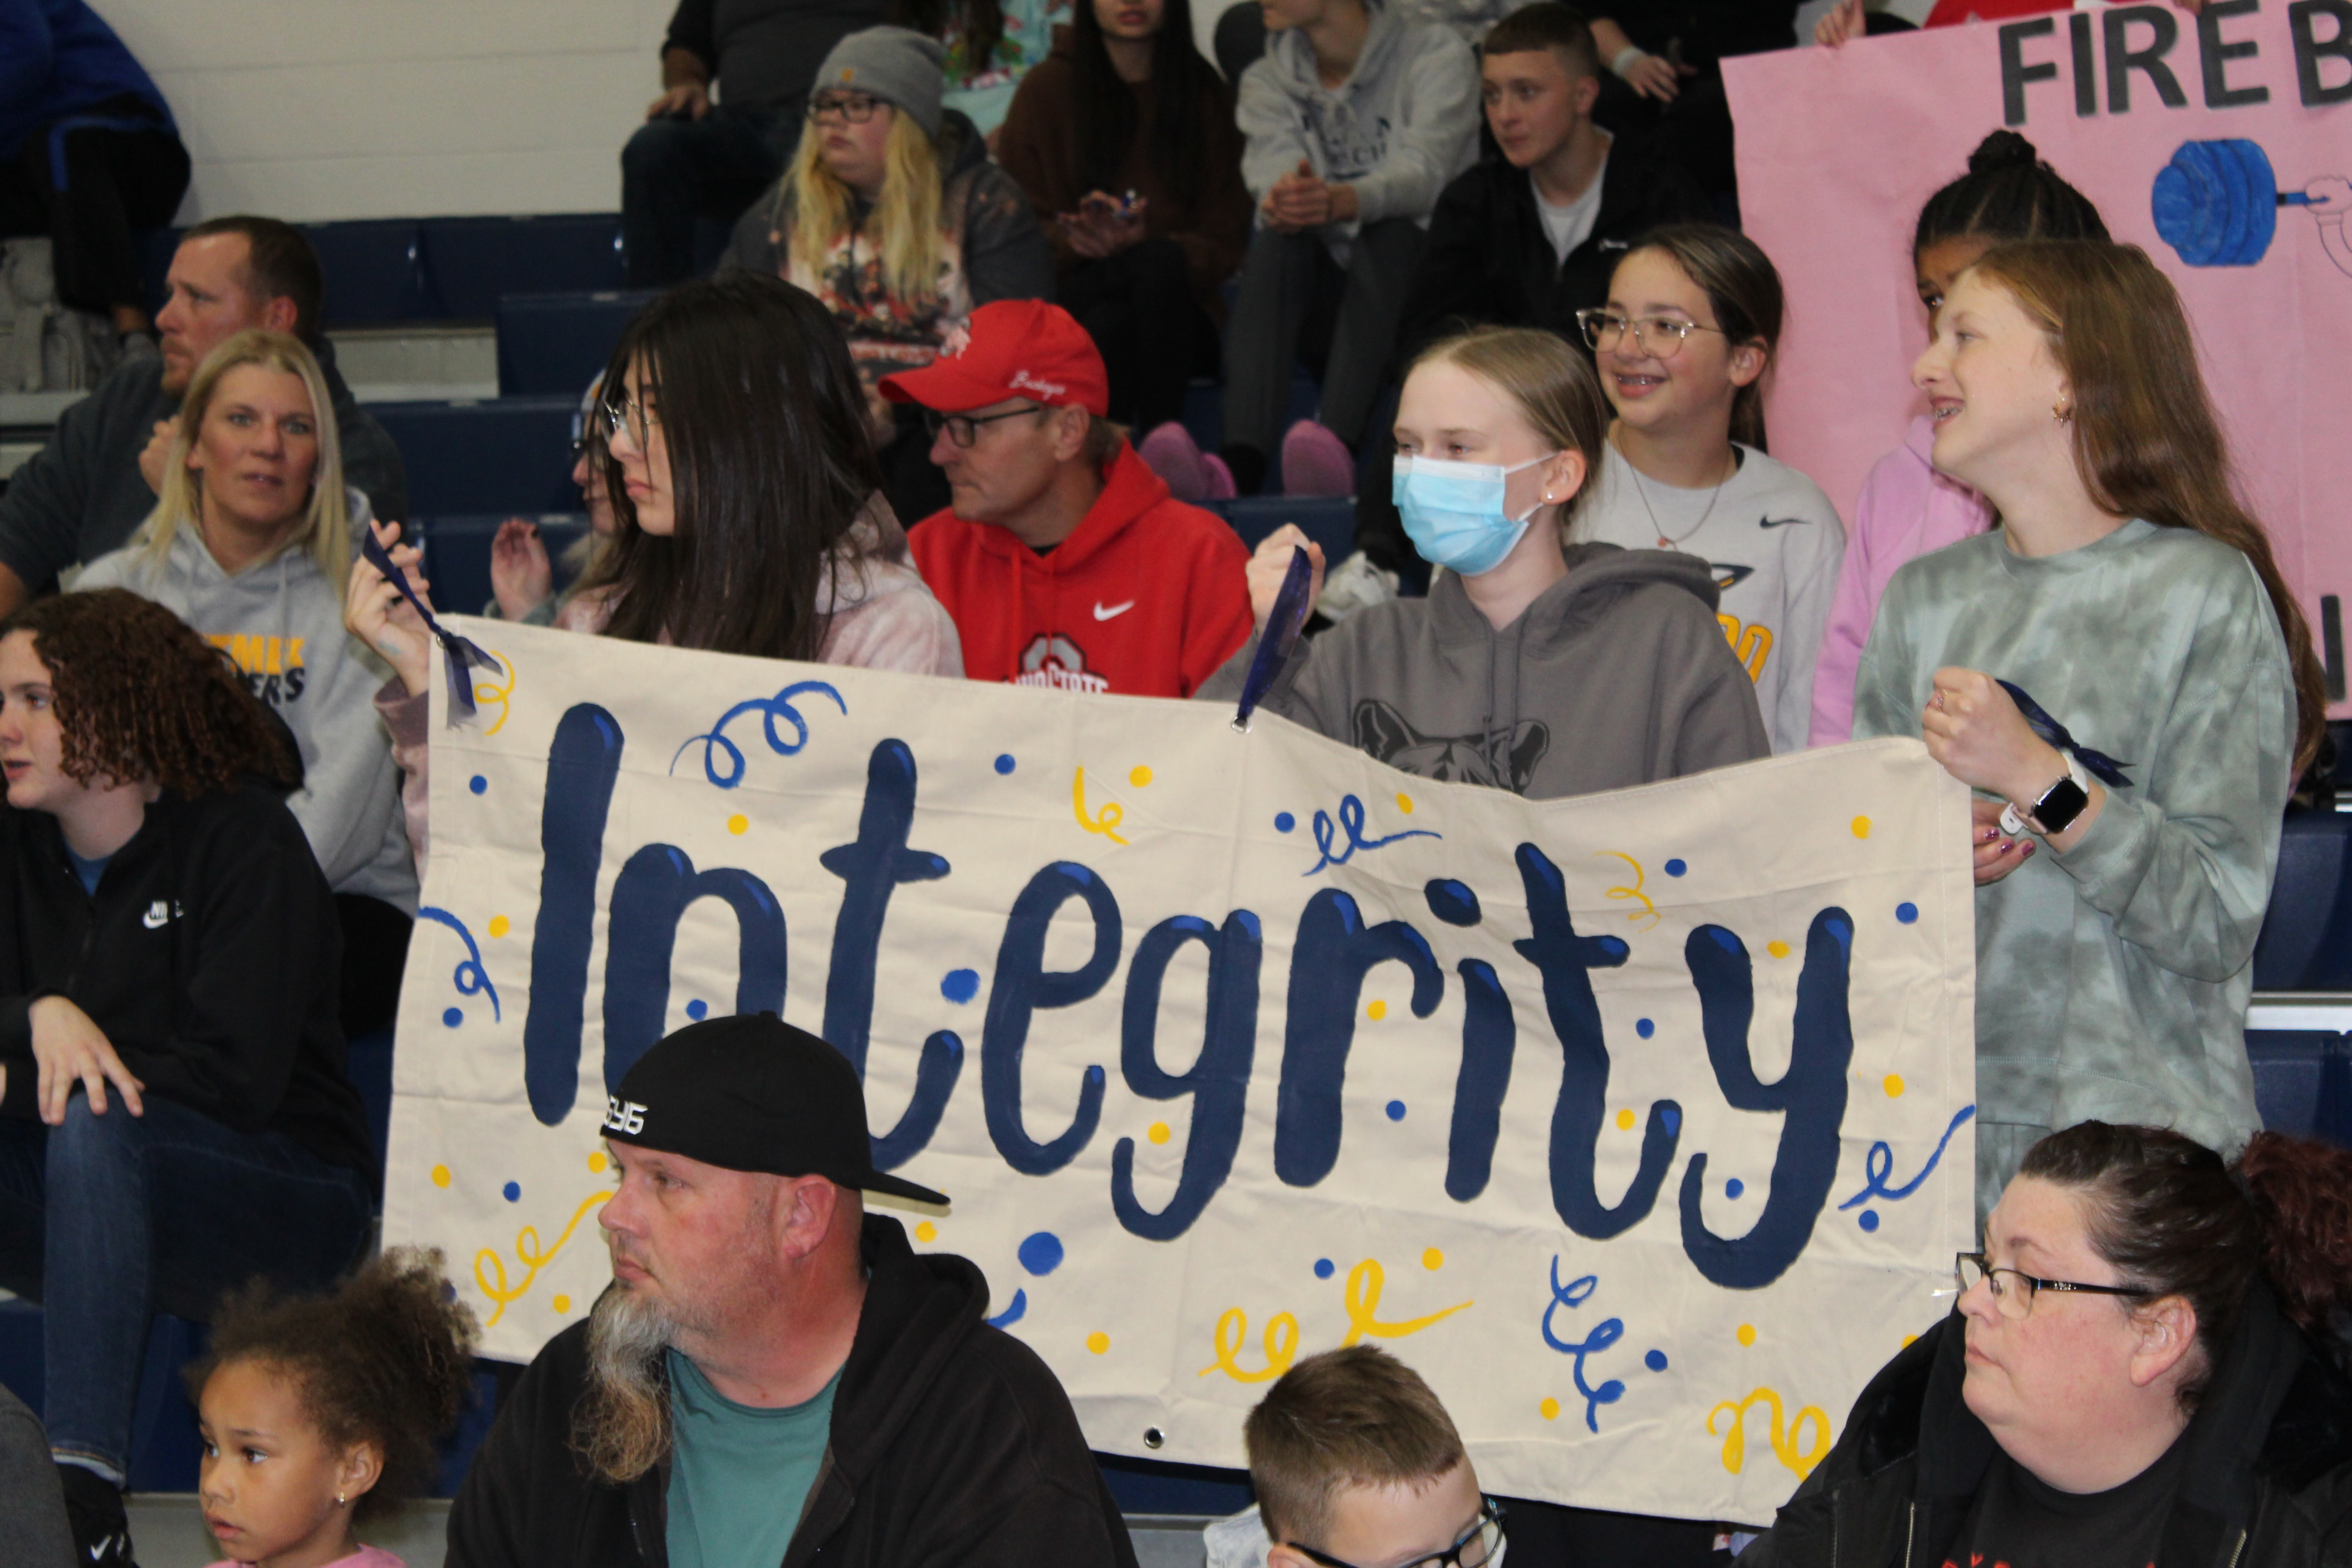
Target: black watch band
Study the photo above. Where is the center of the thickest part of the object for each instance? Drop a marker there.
(2060, 804)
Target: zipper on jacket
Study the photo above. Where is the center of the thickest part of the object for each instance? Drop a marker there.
(1910, 1529)
(2237, 1551)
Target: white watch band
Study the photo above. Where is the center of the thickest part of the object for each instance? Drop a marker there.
(1626, 59)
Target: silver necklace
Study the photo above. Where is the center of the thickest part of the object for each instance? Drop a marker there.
(1658, 528)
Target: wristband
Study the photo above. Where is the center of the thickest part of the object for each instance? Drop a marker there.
(1626, 57)
(2014, 822)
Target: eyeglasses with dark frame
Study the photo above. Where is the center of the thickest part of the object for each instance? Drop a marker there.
(1660, 337)
(2014, 1304)
(1474, 1550)
(963, 429)
(855, 107)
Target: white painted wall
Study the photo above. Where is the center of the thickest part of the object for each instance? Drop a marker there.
(314, 109)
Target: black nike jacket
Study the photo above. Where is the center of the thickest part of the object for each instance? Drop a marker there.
(951, 1444)
(208, 955)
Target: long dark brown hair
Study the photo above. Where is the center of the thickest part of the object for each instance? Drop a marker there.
(770, 463)
(1743, 288)
(1185, 90)
(141, 697)
(2175, 1220)
(2147, 442)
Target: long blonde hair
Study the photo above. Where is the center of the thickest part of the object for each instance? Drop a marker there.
(906, 219)
(326, 530)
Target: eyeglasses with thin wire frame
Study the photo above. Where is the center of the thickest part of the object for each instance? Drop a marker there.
(637, 413)
(2013, 1292)
(855, 107)
(963, 429)
(1474, 1550)
(1660, 337)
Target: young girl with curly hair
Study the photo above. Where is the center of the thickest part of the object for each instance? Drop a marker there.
(320, 1413)
(174, 1112)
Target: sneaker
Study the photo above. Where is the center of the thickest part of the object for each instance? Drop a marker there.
(1169, 451)
(101, 1528)
(1315, 462)
(1219, 477)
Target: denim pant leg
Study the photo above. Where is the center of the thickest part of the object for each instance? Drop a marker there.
(675, 171)
(1379, 271)
(1261, 338)
(169, 1209)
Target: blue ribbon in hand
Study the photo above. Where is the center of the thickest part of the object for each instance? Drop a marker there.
(459, 656)
(1283, 624)
(2100, 765)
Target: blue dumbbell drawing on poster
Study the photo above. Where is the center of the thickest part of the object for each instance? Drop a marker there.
(2217, 206)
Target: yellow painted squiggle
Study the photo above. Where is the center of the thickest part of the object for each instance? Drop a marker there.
(1784, 1443)
(485, 692)
(1281, 1346)
(1649, 911)
(1102, 821)
(1363, 1302)
(487, 1263)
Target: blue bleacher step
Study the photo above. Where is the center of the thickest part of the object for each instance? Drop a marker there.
(508, 455)
(556, 343)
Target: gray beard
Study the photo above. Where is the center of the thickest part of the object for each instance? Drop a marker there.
(621, 1427)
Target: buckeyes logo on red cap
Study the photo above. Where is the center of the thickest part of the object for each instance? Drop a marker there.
(1042, 387)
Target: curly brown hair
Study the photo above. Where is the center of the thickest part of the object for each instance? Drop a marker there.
(140, 696)
(387, 1359)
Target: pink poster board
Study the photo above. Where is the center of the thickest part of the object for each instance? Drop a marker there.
(1839, 148)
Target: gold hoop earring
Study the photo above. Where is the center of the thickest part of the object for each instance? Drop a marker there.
(2061, 413)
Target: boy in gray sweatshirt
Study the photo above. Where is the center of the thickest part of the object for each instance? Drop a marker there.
(1356, 119)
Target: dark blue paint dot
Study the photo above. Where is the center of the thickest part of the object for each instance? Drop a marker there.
(1284, 821)
(1004, 763)
(1454, 902)
(454, 1016)
(960, 984)
(698, 1009)
(1324, 1268)
(513, 1190)
(1734, 1187)
(1906, 912)
(1869, 1220)
(1040, 1252)
(1671, 1118)
(1645, 1027)
(1675, 868)
(478, 784)
(1396, 1111)
(1655, 1360)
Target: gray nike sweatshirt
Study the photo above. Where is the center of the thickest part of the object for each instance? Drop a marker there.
(282, 623)
(1617, 675)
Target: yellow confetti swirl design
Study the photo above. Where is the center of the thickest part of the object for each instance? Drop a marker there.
(490, 1270)
(1102, 821)
(1784, 1442)
(485, 692)
(1648, 911)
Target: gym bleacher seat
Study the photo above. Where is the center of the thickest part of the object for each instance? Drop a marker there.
(507, 455)
(2306, 940)
(1328, 521)
(557, 344)
(2302, 1082)
(458, 554)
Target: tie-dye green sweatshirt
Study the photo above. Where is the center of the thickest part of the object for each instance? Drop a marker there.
(2112, 981)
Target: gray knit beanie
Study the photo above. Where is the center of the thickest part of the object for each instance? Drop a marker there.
(898, 65)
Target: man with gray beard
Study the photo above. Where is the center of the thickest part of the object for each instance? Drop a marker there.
(774, 1376)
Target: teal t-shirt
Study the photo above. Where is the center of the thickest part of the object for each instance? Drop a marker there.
(738, 1476)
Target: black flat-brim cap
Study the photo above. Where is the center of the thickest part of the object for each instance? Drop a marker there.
(752, 1092)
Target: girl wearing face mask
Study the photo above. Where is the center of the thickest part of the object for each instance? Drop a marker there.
(1693, 318)
(1543, 669)
(2126, 824)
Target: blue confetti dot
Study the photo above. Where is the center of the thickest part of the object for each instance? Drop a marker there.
(1324, 1268)
(1004, 763)
(1734, 1187)
(1655, 1360)
(513, 1190)
(478, 784)
(1396, 1111)
(1040, 1252)
(1906, 912)
(1454, 902)
(960, 984)
(698, 1009)
(1869, 1220)
(1645, 1027)
(1284, 821)
(1675, 868)
(454, 1016)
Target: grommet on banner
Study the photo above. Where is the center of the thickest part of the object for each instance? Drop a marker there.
(1153, 1437)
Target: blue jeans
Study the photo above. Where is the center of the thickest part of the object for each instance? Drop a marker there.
(106, 1218)
(676, 171)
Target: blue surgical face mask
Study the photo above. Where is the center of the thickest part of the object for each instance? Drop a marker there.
(1454, 512)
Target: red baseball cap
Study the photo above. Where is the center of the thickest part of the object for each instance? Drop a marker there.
(1013, 348)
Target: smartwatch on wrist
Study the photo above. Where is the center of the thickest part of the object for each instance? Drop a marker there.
(2057, 808)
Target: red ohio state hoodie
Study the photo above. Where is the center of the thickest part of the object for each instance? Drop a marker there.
(1147, 597)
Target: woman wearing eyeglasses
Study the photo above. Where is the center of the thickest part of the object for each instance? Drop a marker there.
(1691, 325)
(2147, 1365)
(747, 512)
(892, 215)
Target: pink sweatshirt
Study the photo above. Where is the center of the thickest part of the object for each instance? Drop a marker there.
(1906, 508)
(366, 1557)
